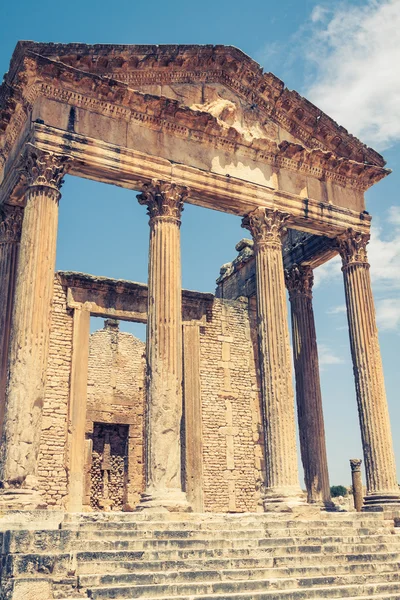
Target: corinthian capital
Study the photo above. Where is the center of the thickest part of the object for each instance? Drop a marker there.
(352, 247)
(163, 199)
(44, 169)
(10, 223)
(299, 281)
(355, 464)
(265, 225)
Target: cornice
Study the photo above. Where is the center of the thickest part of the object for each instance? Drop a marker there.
(54, 80)
(147, 64)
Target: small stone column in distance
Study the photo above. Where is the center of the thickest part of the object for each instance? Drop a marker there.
(299, 282)
(10, 234)
(380, 468)
(282, 483)
(355, 464)
(28, 348)
(164, 203)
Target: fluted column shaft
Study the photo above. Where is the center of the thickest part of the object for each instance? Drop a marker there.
(282, 482)
(164, 349)
(299, 281)
(368, 371)
(31, 321)
(10, 233)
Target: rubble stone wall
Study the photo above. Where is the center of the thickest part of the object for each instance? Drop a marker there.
(231, 410)
(233, 445)
(116, 394)
(52, 471)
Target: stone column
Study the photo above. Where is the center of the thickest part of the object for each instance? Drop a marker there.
(164, 349)
(10, 233)
(355, 464)
(299, 281)
(30, 329)
(382, 488)
(282, 483)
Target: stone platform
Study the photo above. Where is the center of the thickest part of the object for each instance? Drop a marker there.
(200, 557)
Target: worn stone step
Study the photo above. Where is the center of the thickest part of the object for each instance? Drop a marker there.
(233, 568)
(232, 533)
(241, 586)
(296, 554)
(259, 524)
(64, 540)
(182, 573)
(98, 544)
(387, 591)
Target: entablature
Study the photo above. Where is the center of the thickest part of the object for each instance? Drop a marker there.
(45, 78)
(109, 163)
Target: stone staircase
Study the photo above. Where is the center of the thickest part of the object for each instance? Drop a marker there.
(204, 557)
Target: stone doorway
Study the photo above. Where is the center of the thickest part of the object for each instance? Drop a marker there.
(109, 467)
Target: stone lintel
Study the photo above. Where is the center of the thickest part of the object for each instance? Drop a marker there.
(125, 300)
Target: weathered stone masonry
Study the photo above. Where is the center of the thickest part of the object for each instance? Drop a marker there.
(231, 425)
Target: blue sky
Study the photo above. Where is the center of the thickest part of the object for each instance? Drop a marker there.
(344, 57)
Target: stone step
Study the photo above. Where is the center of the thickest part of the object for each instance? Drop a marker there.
(274, 586)
(259, 524)
(388, 590)
(198, 572)
(234, 566)
(298, 554)
(274, 556)
(18, 544)
(64, 540)
(229, 533)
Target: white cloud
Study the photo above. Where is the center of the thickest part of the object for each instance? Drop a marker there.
(319, 13)
(337, 310)
(394, 216)
(356, 54)
(330, 271)
(384, 255)
(327, 356)
(388, 314)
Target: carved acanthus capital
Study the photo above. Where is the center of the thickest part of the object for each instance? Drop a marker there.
(10, 223)
(44, 169)
(352, 247)
(163, 199)
(299, 281)
(266, 226)
(355, 464)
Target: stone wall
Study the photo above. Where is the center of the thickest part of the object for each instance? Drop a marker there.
(52, 472)
(116, 394)
(230, 407)
(231, 410)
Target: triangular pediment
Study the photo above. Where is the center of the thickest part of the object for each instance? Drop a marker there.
(219, 80)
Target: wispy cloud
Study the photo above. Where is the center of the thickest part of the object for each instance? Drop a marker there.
(388, 314)
(327, 356)
(330, 271)
(337, 310)
(355, 51)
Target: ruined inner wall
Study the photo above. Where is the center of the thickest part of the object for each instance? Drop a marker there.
(231, 422)
(233, 463)
(52, 471)
(116, 395)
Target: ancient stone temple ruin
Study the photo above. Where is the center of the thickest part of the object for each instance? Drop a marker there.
(123, 463)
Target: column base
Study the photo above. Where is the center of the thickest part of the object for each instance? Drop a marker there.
(168, 500)
(381, 502)
(284, 500)
(21, 499)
